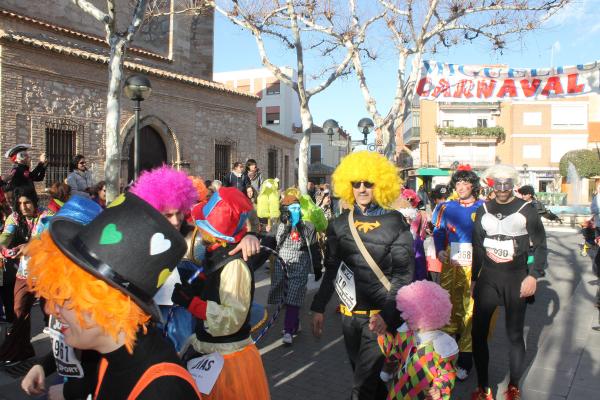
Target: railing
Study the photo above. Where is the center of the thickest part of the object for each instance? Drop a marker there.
(491, 132)
(552, 199)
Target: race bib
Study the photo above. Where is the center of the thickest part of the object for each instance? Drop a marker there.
(500, 251)
(206, 371)
(67, 363)
(345, 287)
(461, 254)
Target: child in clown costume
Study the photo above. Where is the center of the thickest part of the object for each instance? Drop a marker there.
(453, 227)
(298, 247)
(221, 302)
(419, 357)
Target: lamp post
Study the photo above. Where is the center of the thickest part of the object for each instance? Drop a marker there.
(525, 167)
(331, 127)
(138, 89)
(365, 126)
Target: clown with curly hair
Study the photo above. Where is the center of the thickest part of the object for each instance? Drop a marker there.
(453, 226)
(369, 256)
(419, 356)
(98, 280)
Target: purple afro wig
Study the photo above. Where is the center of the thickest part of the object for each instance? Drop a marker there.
(166, 188)
(424, 305)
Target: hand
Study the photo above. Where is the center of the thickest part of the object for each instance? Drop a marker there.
(43, 158)
(56, 392)
(434, 394)
(182, 295)
(249, 246)
(443, 256)
(33, 383)
(317, 324)
(377, 324)
(19, 250)
(528, 286)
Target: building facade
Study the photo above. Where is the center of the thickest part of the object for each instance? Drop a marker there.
(54, 78)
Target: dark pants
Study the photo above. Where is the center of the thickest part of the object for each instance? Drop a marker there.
(496, 288)
(365, 357)
(17, 345)
(7, 289)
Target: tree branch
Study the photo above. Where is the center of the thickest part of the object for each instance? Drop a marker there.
(136, 20)
(92, 10)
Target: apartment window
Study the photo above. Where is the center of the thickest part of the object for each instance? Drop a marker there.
(532, 118)
(532, 151)
(272, 163)
(272, 118)
(60, 149)
(447, 123)
(315, 154)
(273, 88)
(481, 123)
(569, 116)
(222, 160)
(416, 119)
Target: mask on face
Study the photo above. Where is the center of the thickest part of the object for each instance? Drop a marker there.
(503, 185)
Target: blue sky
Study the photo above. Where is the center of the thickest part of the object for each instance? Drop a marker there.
(574, 34)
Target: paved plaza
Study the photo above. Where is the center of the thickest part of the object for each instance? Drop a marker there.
(563, 352)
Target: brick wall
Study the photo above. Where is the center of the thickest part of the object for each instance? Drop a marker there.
(39, 85)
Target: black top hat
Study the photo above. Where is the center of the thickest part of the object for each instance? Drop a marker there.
(129, 245)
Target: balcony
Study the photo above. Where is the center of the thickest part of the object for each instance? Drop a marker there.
(450, 133)
(412, 135)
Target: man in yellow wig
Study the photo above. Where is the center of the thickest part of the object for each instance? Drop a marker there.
(369, 257)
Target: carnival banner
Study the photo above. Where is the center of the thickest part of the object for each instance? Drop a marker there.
(459, 83)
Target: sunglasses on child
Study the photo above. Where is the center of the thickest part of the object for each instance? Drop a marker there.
(368, 185)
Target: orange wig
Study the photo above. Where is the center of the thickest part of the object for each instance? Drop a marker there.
(53, 276)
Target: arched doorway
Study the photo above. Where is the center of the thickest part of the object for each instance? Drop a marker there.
(152, 154)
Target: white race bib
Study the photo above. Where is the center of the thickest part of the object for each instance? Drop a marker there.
(345, 287)
(461, 254)
(67, 363)
(499, 251)
(206, 370)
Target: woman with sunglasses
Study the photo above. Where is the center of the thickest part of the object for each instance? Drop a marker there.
(369, 183)
(80, 179)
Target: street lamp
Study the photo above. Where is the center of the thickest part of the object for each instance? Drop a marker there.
(331, 127)
(365, 126)
(138, 89)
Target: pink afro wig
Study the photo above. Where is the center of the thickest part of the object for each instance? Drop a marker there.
(424, 305)
(166, 188)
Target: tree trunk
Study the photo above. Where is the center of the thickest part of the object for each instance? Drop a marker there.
(307, 122)
(388, 132)
(112, 166)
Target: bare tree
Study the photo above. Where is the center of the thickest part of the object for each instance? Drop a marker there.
(118, 42)
(283, 20)
(421, 28)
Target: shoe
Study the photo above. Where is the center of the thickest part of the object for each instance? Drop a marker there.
(287, 338)
(512, 393)
(481, 394)
(461, 374)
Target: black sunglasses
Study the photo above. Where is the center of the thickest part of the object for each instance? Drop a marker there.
(368, 185)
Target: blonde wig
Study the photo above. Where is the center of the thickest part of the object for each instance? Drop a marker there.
(371, 167)
(53, 276)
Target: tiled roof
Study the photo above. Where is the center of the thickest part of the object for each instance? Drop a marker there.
(103, 59)
(77, 34)
(276, 134)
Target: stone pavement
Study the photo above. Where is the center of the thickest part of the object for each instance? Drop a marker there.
(563, 353)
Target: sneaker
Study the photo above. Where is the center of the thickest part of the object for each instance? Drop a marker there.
(481, 394)
(461, 373)
(512, 393)
(287, 338)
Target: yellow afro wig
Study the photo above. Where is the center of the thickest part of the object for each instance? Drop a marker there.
(367, 166)
(53, 276)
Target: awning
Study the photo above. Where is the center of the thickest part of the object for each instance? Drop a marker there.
(432, 172)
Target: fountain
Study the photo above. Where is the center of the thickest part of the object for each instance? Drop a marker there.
(574, 212)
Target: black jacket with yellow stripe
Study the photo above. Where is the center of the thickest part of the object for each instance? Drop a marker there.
(388, 239)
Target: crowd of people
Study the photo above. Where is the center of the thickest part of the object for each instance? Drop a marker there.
(152, 294)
